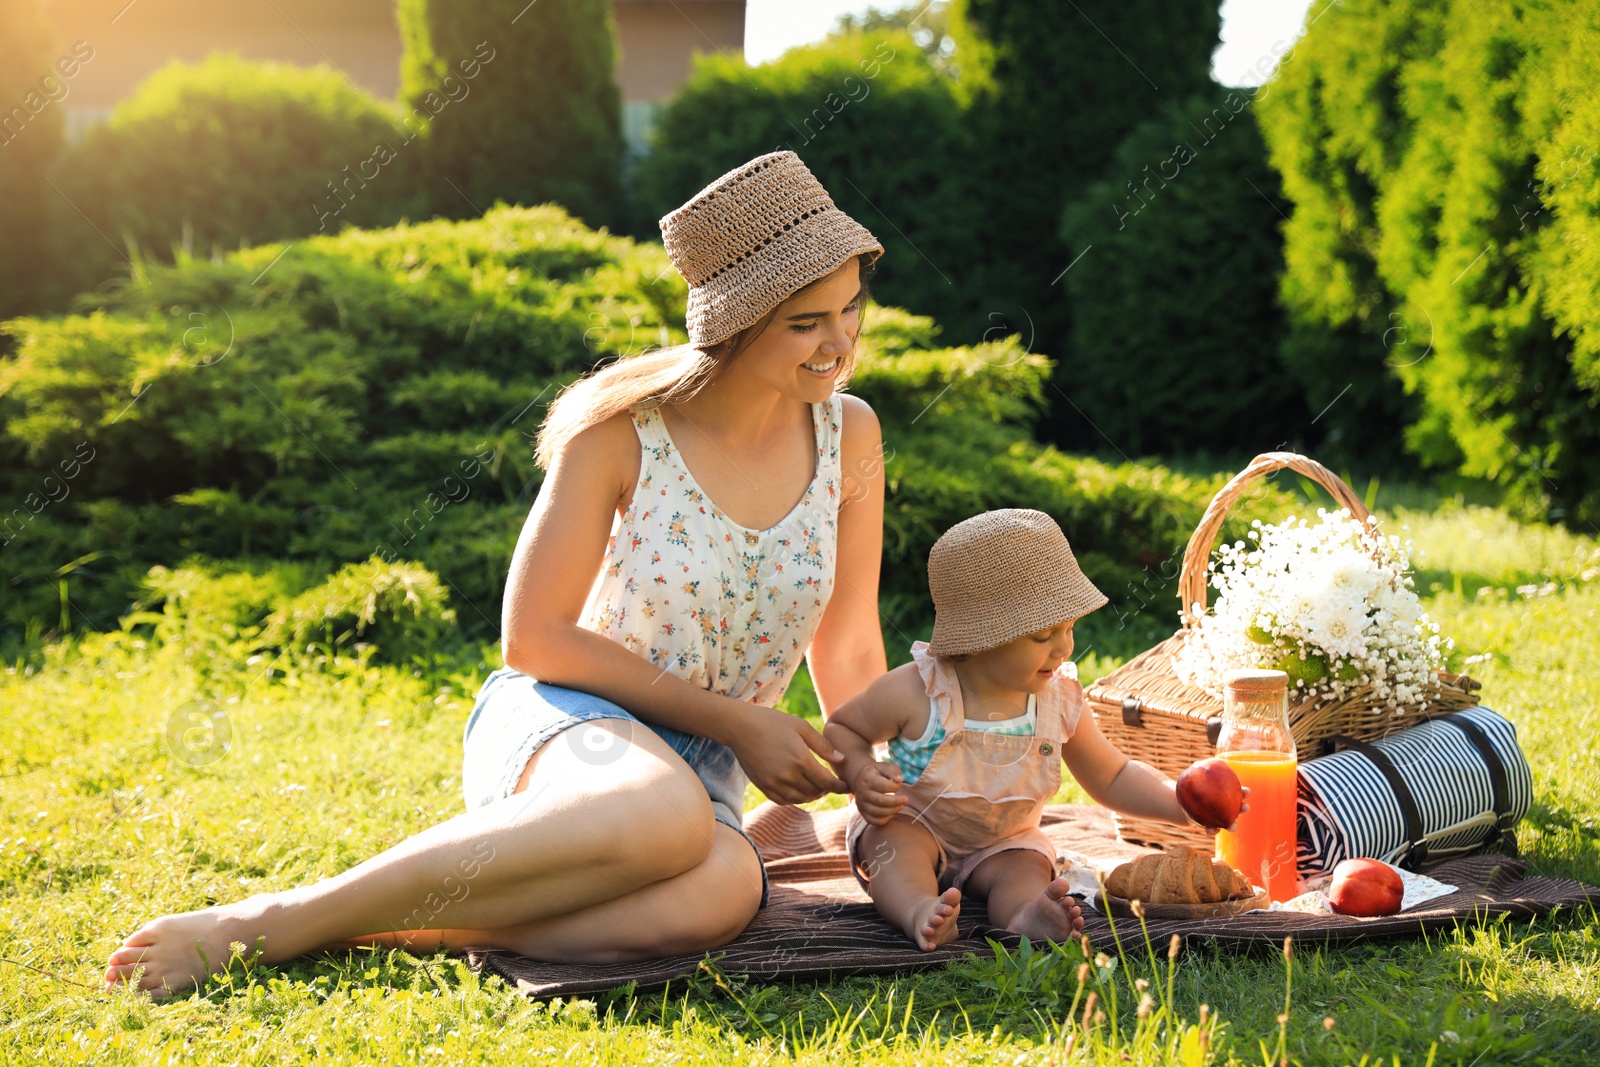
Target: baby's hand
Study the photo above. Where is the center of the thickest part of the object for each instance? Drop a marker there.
(876, 793)
(1245, 792)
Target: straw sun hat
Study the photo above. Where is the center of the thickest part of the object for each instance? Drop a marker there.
(749, 240)
(1002, 574)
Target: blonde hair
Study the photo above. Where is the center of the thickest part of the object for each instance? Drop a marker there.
(667, 376)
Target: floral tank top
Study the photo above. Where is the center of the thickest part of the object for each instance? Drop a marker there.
(719, 605)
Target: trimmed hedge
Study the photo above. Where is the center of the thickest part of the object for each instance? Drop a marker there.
(372, 394)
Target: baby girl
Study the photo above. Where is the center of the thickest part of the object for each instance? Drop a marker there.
(977, 726)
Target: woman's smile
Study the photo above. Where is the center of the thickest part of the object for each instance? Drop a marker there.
(821, 368)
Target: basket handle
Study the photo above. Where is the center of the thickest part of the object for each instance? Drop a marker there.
(1192, 580)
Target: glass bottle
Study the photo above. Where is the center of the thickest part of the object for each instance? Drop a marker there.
(1257, 743)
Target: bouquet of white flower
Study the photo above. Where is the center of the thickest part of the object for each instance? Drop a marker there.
(1330, 603)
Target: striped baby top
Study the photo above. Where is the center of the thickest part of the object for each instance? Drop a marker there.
(912, 756)
(722, 606)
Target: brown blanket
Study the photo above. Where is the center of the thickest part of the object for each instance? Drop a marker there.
(819, 923)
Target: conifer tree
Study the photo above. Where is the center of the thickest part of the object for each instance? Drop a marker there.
(1053, 88)
(31, 135)
(519, 102)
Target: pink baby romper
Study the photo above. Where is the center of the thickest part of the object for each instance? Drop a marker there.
(982, 792)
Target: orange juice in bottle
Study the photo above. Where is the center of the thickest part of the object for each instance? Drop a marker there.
(1256, 742)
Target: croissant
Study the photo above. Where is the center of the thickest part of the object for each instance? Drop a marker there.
(1180, 875)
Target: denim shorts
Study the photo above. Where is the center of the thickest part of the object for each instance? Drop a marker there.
(515, 715)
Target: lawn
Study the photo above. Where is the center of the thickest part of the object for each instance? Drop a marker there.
(115, 807)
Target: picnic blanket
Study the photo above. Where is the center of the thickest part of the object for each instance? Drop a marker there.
(818, 922)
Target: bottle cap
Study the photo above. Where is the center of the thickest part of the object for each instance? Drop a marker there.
(1255, 683)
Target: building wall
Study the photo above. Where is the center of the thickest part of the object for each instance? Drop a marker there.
(360, 38)
(657, 40)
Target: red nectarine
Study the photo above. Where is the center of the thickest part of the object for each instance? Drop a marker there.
(1365, 887)
(1211, 793)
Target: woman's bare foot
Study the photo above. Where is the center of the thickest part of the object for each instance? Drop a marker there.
(934, 923)
(170, 949)
(1050, 916)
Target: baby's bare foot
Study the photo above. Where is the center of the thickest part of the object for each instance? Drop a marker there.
(934, 923)
(1050, 916)
(177, 952)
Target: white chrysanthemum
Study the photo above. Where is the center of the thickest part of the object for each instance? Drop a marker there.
(1330, 601)
(1335, 626)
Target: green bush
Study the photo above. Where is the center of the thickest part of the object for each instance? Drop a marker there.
(400, 608)
(224, 598)
(228, 152)
(370, 392)
(1567, 181)
(371, 396)
(277, 361)
(1175, 324)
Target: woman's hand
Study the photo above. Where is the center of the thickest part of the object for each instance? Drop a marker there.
(779, 752)
(877, 792)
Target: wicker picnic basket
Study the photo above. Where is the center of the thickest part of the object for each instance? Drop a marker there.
(1152, 715)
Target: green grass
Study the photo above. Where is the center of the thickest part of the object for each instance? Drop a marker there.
(110, 813)
(1477, 551)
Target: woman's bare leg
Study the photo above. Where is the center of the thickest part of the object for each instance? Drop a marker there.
(698, 910)
(578, 835)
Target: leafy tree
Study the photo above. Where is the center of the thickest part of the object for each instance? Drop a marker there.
(31, 134)
(1175, 326)
(521, 103)
(928, 23)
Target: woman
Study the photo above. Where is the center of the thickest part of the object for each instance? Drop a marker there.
(710, 514)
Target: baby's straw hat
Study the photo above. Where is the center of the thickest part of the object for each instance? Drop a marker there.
(1002, 574)
(749, 240)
